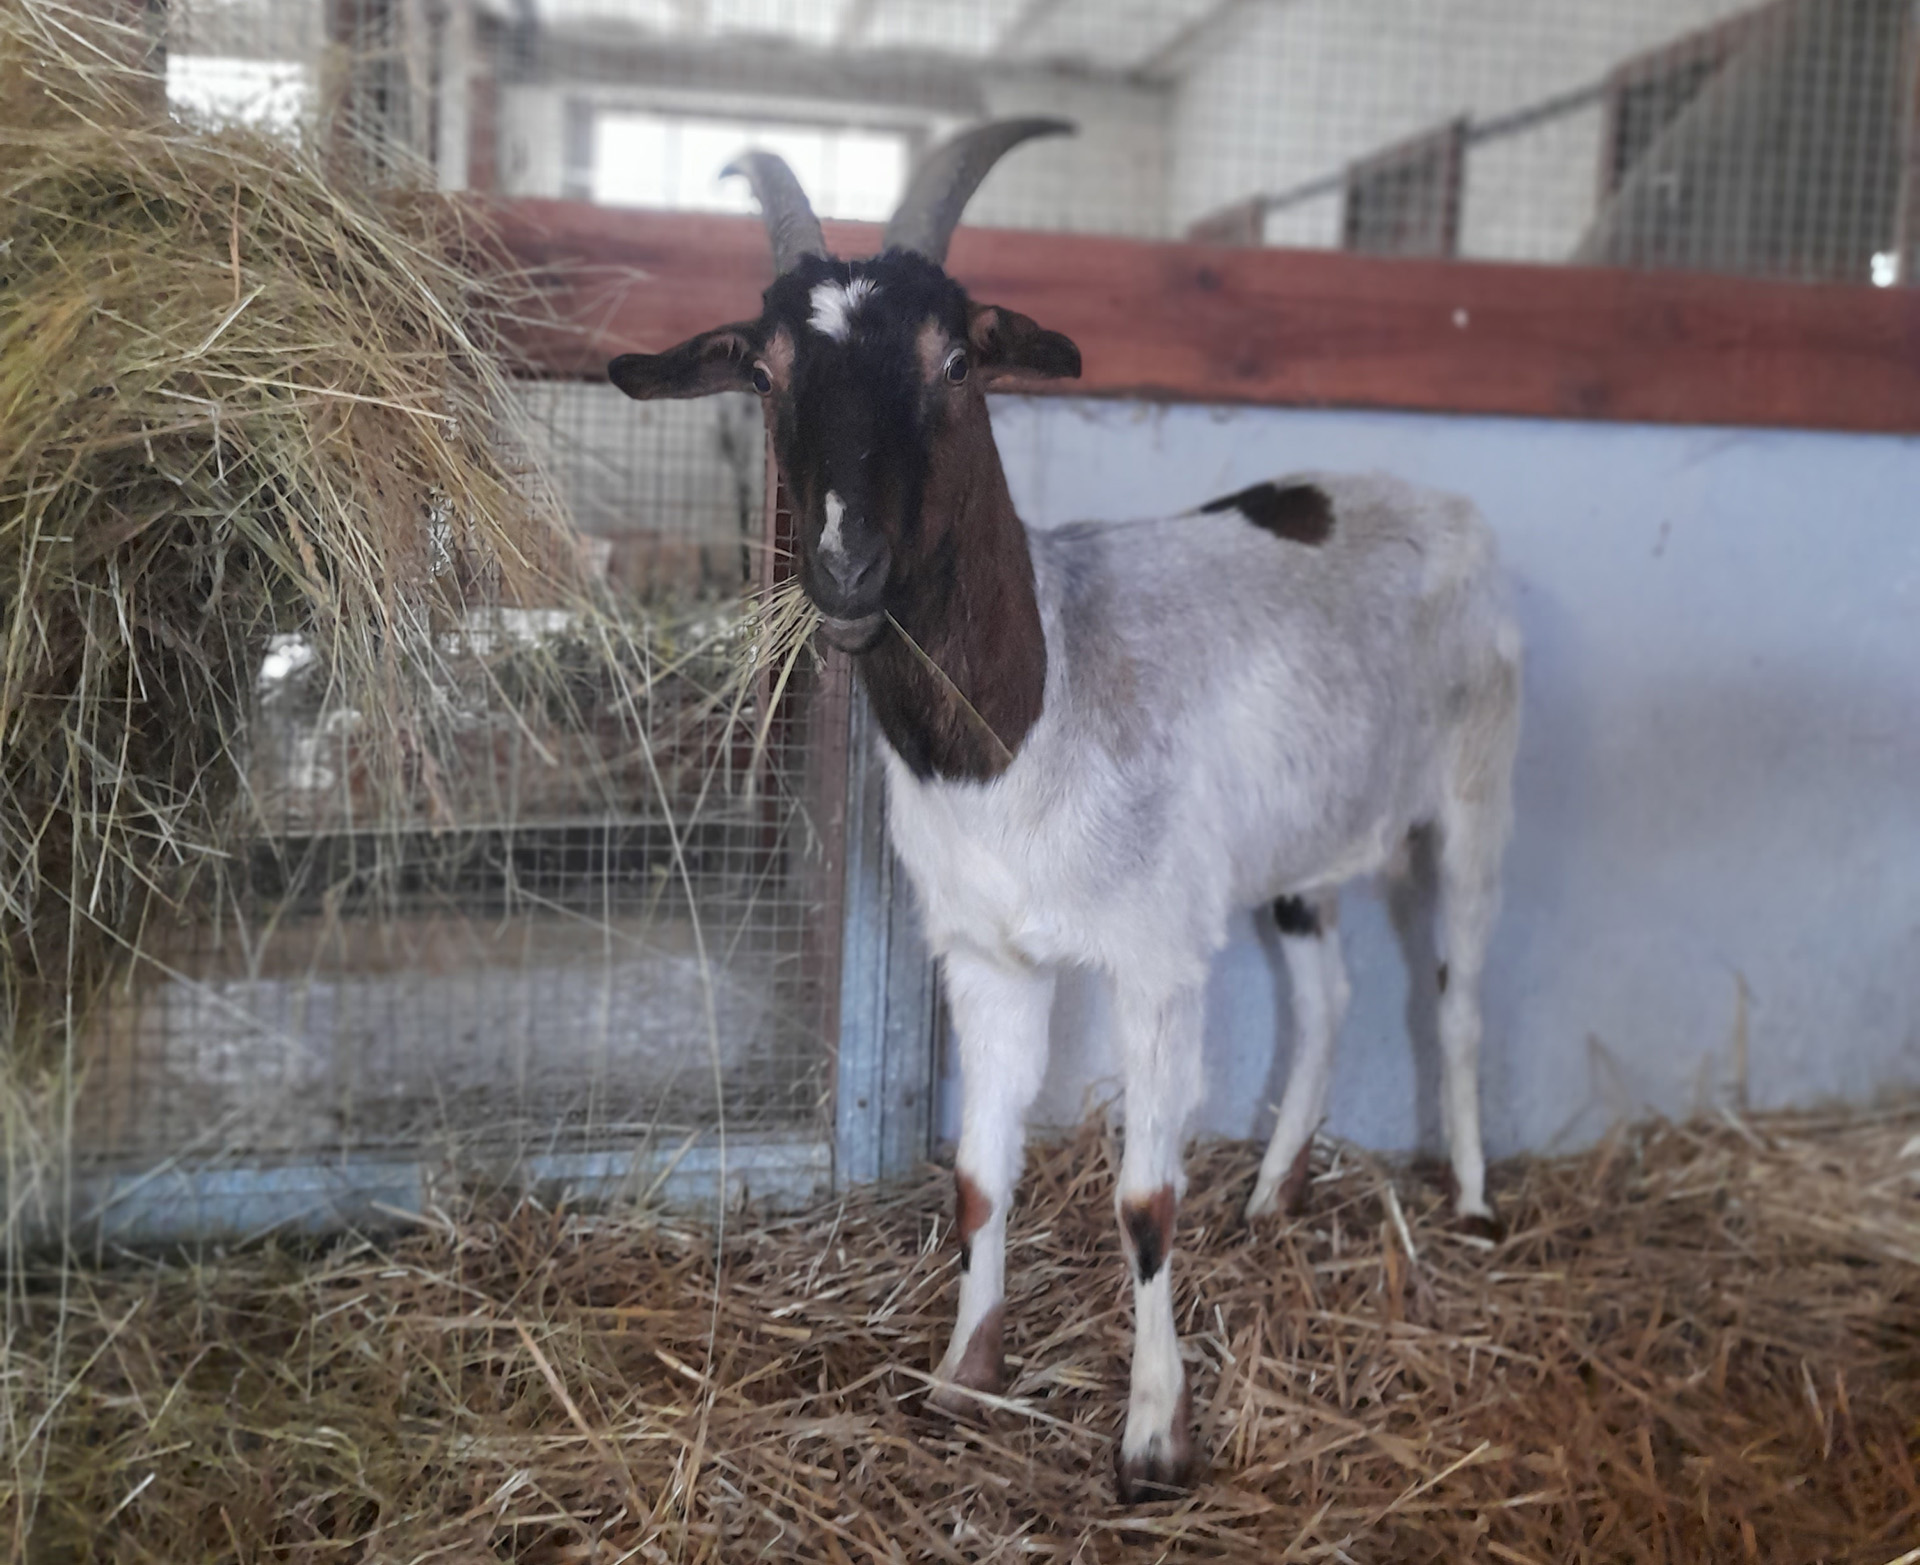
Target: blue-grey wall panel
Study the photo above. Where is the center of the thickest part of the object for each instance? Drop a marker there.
(1719, 773)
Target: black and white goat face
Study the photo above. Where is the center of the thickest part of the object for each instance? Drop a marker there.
(873, 371)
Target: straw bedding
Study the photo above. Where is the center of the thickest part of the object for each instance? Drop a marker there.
(1697, 1343)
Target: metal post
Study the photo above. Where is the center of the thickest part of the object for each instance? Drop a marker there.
(886, 1070)
(883, 1027)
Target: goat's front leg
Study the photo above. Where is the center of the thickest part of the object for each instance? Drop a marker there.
(1160, 1056)
(999, 1015)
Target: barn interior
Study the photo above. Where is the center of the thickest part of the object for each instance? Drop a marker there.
(560, 1035)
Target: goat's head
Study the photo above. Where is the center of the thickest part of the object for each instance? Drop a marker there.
(873, 371)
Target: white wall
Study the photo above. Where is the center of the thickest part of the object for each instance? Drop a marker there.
(1719, 777)
(531, 146)
(1111, 178)
(1297, 89)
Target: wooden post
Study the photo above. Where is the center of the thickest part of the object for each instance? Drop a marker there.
(142, 34)
(482, 103)
(453, 125)
(414, 68)
(1906, 245)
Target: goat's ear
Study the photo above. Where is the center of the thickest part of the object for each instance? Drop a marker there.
(1006, 343)
(717, 360)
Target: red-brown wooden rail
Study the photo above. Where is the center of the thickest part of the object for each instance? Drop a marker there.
(1200, 323)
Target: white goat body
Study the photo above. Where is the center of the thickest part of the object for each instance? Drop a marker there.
(1230, 717)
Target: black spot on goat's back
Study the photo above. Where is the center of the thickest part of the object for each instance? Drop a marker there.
(1301, 513)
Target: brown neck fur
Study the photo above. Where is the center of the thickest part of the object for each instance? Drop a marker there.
(966, 597)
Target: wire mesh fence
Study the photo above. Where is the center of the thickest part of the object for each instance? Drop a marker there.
(608, 922)
(614, 931)
(1773, 139)
(611, 923)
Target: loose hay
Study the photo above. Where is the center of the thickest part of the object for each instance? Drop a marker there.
(1699, 1343)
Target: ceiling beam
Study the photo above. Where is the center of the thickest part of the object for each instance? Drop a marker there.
(1025, 27)
(610, 63)
(855, 19)
(1171, 54)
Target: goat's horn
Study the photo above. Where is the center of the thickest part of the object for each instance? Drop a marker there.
(784, 207)
(930, 210)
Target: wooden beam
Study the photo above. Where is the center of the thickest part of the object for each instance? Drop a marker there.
(1195, 323)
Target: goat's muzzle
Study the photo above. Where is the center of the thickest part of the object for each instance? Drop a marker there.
(853, 635)
(848, 585)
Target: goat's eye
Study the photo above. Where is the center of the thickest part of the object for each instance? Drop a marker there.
(956, 369)
(762, 380)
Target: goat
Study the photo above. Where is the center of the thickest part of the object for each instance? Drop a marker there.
(1101, 741)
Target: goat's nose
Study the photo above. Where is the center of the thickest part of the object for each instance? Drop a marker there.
(845, 568)
(847, 572)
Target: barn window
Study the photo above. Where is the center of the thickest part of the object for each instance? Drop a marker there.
(1406, 200)
(674, 161)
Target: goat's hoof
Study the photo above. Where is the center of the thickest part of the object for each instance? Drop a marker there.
(981, 1368)
(1289, 1196)
(958, 1401)
(1293, 1189)
(1480, 1225)
(1163, 1466)
(1163, 1471)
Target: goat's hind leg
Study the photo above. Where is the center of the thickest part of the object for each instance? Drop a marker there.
(1160, 1055)
(1310, 942)
(1475, 819)
(1000, 1021)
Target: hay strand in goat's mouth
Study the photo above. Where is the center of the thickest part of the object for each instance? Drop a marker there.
(1699, 1343)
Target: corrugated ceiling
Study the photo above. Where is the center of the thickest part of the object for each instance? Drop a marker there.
(1120, 36)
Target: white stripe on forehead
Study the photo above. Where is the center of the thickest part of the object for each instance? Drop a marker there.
(830, 538)
(834, 305)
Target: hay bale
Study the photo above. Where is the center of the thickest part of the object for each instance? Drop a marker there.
(237, 399)
(242, 406)
(1687, 1350)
